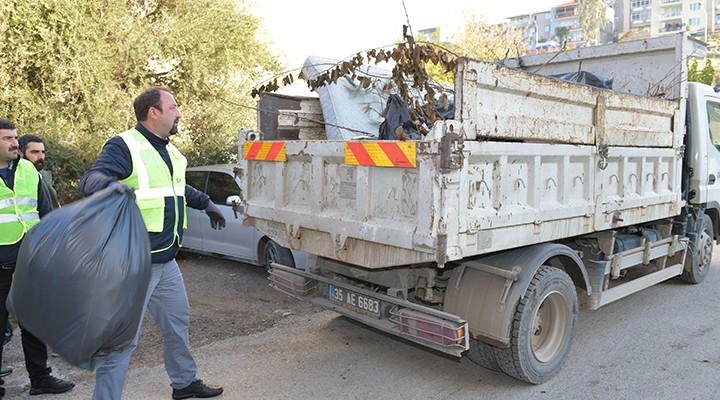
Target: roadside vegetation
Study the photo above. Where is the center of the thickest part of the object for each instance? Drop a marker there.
(71, 69)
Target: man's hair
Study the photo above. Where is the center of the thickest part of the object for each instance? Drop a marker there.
(148, 98)
(5, 124)
(25, 139)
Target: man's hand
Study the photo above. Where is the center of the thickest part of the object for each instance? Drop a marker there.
(217, 221)
(121, 188)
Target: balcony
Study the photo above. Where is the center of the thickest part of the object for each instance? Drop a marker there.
(568, 14)
(672, 15)
(664, 3)
(672, 28)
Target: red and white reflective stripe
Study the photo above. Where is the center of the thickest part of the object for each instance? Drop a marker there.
(265, 151)
(381, 154)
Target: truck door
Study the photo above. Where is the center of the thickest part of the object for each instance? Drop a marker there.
(713, 154)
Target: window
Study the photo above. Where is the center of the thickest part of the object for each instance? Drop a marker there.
(713, 111)
(220, 186)
(196, 180)
(640, 16)
(547, 29)
(695, 6)
(639, 3)
(694, 21)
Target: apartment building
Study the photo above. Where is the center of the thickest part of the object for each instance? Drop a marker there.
(549, 29)
(646, 18)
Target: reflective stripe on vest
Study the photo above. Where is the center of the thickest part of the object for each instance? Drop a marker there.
(153, 184)
(18, 207)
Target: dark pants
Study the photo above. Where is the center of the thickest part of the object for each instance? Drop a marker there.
(35, 350)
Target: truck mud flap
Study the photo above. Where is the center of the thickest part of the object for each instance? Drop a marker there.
(426, 326)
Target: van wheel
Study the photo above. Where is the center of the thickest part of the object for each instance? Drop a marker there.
(274, 253)
(483, 355)
(697, 261)
(543, 328)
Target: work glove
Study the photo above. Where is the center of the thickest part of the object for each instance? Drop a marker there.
(217, 221)
(121, 188)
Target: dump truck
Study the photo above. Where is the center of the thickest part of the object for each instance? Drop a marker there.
(540, 197)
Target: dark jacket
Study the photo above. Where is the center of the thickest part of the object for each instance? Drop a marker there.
(115, 163)
(9, 253)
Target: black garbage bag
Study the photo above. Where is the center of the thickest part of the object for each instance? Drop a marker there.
(398, 124)
(81, 278)
(587, 78)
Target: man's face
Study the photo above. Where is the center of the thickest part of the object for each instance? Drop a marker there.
(35, 153)
(8, 146)
(168, 116)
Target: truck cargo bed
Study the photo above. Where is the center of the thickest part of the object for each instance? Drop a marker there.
(537, 159)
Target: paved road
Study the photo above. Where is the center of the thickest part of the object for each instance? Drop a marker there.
(663, 343)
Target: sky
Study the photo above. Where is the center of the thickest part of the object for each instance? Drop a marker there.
(340, 28)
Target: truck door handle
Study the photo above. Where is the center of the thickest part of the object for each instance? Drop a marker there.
(711, 179)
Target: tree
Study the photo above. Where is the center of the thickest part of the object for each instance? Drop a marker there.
(592, 18)
(562, 33)
(71, 69)
(483, 41)
(706, 75)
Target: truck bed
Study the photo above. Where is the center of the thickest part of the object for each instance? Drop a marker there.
(542, 159)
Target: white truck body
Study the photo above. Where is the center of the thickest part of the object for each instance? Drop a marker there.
(529, 172)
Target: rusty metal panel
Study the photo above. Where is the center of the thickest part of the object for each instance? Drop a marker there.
(518, 194)
(637, 185)
(505, 195)
(646, 67)
(369, 216)
(502, 103)
(508, 104)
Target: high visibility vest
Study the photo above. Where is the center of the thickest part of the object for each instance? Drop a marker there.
(153, 184)
(18, 207)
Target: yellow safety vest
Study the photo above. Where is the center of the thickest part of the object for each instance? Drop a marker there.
(18, 207)
(153, 184)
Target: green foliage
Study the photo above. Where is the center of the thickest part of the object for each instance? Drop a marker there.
(592, 16)
(706, 75)
(562, 33)
(70, 70)
(489, 42)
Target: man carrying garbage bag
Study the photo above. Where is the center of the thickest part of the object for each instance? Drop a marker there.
(23, 201)
(144, 161)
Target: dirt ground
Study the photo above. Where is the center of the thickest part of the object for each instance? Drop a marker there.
(227, 299)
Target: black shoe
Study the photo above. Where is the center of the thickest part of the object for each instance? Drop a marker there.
(197, 389)
(50, 384)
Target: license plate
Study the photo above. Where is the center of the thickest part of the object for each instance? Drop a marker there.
(355, 301)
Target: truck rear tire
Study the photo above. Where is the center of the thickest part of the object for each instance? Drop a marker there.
(483, 355)
(543, 328)
(697, 261)
(274, 253)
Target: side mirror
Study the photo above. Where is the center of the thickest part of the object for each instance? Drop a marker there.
(231, 200)
(234, 202)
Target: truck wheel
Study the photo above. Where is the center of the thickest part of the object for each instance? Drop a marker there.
(543, 328)
(697, 261)
(274, 253)
(483, 355)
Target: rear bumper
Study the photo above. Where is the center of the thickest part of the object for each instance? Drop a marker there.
(426, 326)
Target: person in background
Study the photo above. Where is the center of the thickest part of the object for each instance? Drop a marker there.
(32, 149)
(143, 162)
(23, 201)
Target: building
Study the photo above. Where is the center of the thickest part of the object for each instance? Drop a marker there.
(646, 18)
(547, 30)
